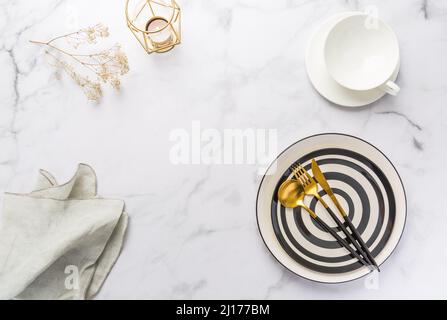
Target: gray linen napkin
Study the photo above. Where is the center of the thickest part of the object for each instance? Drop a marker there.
(60, 241)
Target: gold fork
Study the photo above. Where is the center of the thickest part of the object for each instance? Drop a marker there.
(311, 189)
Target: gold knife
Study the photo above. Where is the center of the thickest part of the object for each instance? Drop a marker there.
(321, 179)
(319, 176)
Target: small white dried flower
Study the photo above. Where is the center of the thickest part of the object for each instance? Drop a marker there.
(102, 30)
(116, 83)
(92, 90)
(96, 31)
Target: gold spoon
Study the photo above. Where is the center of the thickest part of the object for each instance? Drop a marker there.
(291, 195)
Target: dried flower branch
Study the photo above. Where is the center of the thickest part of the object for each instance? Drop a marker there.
(106, 66)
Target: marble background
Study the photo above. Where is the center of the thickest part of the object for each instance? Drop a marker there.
(193, 231)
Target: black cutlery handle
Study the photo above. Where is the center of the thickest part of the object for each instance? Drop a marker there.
(360, 240)
(340, 240)
(348, 235)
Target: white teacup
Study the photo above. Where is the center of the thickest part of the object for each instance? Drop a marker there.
(362, 53)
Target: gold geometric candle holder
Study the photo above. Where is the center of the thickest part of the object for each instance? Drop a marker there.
(155, 23)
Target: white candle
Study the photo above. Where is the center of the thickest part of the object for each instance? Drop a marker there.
(159, 31)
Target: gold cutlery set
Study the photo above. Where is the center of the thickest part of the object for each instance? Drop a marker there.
(291, 194)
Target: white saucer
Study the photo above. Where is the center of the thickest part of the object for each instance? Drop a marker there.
(323, 82)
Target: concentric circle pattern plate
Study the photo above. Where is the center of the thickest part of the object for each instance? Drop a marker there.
(368, 187)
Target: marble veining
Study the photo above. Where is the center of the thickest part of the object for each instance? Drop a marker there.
(193, 231)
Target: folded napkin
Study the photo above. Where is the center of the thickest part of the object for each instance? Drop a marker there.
(60, 241)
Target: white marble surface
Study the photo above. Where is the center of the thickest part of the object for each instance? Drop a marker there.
(193, 231)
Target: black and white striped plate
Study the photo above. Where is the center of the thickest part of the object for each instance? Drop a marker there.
(368, 187)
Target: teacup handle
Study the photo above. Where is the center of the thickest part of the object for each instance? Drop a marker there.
(391, 88)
